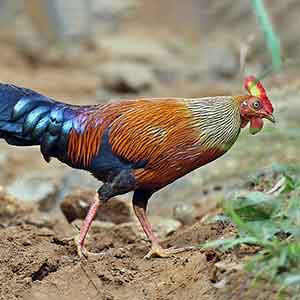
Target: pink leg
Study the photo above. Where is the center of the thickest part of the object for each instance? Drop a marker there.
(122, 183)
(86, 225)
(144, 221)
(156, 249)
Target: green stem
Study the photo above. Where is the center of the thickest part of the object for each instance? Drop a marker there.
(272, 40)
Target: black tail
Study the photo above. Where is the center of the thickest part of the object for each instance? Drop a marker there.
(29, 118)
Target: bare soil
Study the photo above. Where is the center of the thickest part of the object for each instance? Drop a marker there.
(38, 260)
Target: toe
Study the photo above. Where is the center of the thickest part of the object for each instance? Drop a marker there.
(158, 251)
(155, 251)
(81, 251)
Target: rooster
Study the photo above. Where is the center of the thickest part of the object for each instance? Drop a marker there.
(139, 145)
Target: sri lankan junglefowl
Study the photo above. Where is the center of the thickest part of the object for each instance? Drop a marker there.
(139, 145)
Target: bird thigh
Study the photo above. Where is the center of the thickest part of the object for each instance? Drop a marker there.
(122, 183)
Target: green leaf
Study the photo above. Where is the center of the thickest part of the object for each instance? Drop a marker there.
(273, 223)
(255, 206)
(289, 185)
(226, 244)
(266, 229)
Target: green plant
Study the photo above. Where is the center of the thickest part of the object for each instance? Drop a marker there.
(272, 40)
(272, 222)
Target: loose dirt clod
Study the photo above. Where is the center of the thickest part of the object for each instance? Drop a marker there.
(10, 207)
(76, 205)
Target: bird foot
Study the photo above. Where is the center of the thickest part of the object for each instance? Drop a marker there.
(158, 251)
(82, 252)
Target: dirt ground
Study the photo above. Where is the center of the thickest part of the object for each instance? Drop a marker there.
(39, 261)
(38, 258)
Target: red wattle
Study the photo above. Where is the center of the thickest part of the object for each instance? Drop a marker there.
(256, 125)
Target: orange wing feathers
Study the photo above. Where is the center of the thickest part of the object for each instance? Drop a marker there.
(82, 147)
(151, 129)
(154, 130)
(162, 133)
(158, 131)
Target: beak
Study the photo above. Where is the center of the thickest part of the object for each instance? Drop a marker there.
(270, 118)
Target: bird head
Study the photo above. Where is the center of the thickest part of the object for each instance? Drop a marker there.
(256, 106)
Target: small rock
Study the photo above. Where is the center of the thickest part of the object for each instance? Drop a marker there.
(76, 205)
(37, 188)
(127, 77)
(220, 284)
(9, 206)
(164, 227)
(46, 232)
(27, 243)
(229, 266)
(185, 213)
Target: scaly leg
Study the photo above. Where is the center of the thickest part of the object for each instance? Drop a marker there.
(140, 200)
(86, 226)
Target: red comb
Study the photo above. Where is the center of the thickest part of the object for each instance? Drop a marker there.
(256, 89)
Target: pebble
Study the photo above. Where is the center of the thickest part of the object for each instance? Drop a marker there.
(184, 213)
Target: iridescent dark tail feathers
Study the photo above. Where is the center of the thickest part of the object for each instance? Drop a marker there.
(29, 118)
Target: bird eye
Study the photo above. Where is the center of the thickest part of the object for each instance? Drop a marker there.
(256, 104)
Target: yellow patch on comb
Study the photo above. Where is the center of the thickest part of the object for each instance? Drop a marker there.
(254, 87)
(254, 90)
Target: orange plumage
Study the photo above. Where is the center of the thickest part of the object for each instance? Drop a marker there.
(159, 131)
(149, 143)
(136, 145)
(161, 140)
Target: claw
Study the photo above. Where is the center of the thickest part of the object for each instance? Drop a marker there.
(82, 252)
(158, 251)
